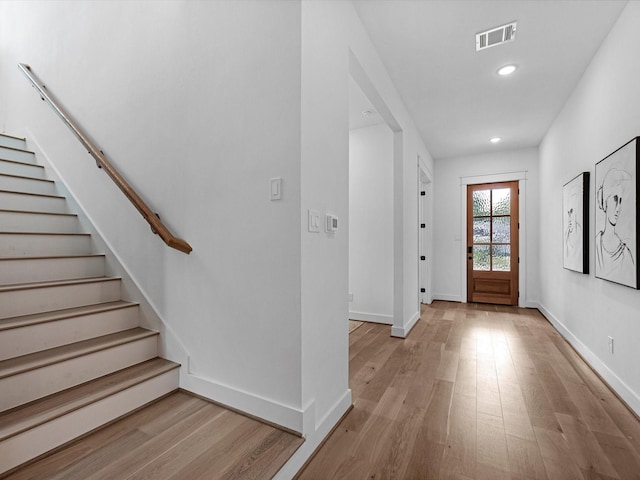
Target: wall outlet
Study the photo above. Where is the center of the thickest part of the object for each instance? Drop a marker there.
(610, 345)
(351, 297)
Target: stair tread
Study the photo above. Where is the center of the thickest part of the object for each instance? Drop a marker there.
(14, 192)
(32, 361)
(34, 212)
(36, 413)
(26, 164)
(37, 318)
(47, 257)
(11, 136)
(17, 149)
(44, 233)
(27, 178)
(56, 283)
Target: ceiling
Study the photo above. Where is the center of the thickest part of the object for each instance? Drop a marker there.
(453, 93)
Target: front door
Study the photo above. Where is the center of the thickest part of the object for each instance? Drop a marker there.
(492, 243)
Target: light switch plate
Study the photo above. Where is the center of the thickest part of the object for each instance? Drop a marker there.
(275, 188)
(314, 221)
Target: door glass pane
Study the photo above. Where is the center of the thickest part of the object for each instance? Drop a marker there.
(481, 203)
(501, 230)
(501, 258)
(501, 201)
(481, 258)
(481, 230)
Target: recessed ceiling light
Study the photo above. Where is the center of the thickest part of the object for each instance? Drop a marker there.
(507, 70)
(495, 139)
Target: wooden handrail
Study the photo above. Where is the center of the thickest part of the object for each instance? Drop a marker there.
(154, 221)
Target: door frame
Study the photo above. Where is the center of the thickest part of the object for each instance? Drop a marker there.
(521, 178)
(424, 235)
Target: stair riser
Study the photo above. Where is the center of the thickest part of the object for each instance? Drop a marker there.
(26, 185)
(32, 443)
(13, 142)
(17, 245)
(17, 201)
(37, 300)
(17, 155)
(30, 339)
(31, 222)
(22, 169)
(31, 270)
(28, 386)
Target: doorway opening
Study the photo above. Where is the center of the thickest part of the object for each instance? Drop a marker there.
(387, 306)
(492, 243)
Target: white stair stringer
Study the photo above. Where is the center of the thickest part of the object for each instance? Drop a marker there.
(72, 355)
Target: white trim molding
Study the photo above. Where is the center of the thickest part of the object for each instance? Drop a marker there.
(371, 317)
(630, 397)
(314, 439)
(404, 330)
(254, 405)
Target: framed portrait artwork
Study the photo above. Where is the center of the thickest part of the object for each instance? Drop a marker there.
(575, 224)
(616, 240)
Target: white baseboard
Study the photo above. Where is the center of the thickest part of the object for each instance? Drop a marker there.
(447, 298)
(371, 317)
(622, 389)
(254, 405)
(314, 439)
(403, 331)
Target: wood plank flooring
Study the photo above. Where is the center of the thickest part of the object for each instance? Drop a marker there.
(178, 437)
(476, 392)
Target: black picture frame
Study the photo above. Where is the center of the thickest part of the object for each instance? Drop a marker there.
(617, 216)
(575, 224)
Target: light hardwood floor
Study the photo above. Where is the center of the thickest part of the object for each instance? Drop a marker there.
(476, 392)
(180, 437)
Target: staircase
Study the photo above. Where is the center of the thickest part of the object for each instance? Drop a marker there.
(72, 356)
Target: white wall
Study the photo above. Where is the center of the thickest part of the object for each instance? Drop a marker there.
(371, 223)
(450, 238)
(602, 114)
(199, 104)
(190, 102)
(330, 31)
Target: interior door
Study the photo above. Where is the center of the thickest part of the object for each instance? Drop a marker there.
(492, 243)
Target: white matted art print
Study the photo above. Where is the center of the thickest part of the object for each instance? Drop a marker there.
(575, 224)
(616, 240)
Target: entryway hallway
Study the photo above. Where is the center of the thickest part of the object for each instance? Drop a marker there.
(476, 392)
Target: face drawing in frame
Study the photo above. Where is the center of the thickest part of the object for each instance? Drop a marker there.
(573, 239)
(573, 228)
(614, 259)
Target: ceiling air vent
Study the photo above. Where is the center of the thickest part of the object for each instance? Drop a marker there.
(496, 36)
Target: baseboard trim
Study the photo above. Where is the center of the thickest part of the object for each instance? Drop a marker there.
(620, 389)
(315, 439)
(252, 405)
(403, 331)
(371, 317)
(447, 297)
